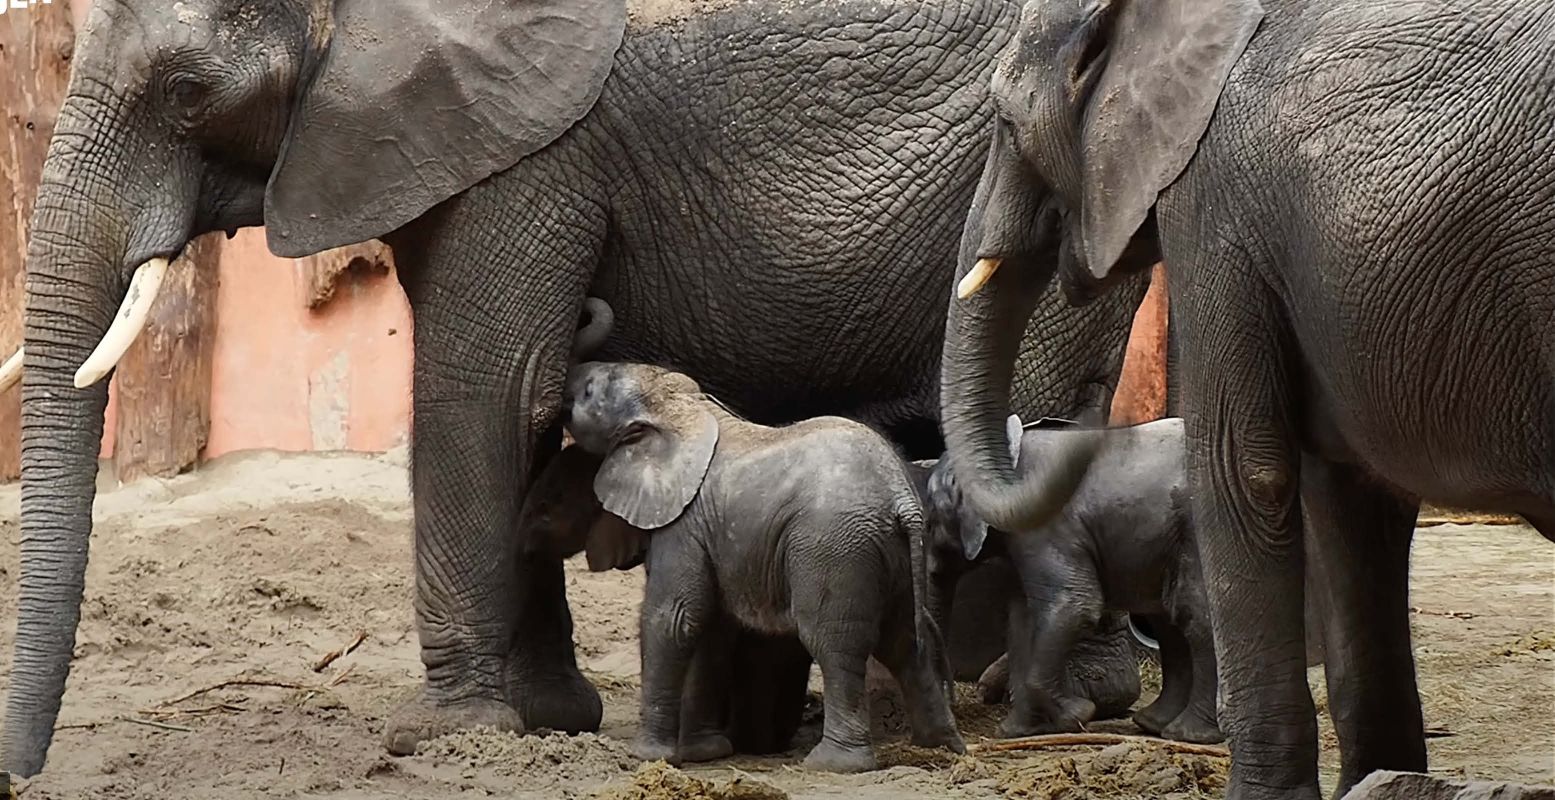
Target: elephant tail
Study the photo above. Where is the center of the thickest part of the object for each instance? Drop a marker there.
(930, 640)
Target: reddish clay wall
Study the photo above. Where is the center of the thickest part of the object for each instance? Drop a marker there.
(290, 378)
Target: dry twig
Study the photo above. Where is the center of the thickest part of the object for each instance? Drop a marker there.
(151, 723)
(228, 684)
(1448, 614)
(1094, 739)
(335, 681)
(334, 655)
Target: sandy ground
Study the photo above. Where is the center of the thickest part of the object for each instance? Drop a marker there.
(258, 565)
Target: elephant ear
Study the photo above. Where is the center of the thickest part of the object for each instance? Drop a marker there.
(613, 544)
(414, 101)
(650, 478)
(1165, 63)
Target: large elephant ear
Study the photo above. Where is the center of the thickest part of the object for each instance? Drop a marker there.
(414, 101)
(1165, 63)
(649, 479)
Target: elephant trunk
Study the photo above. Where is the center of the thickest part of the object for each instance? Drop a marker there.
(982, 342)
(79, 259)
(1010, 250)
(62, 429)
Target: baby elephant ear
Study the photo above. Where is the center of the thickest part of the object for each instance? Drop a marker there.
(974, 533)
(1012, 434)
(649, 480)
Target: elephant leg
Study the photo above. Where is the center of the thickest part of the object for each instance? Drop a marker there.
(1063, 603)
(679, 606)
(543, 677)
(1176, 677)
(1197, 721)
(494, 324)
(1244, 471)
(840, 632)
(1104, 667)
(767, 705)
(1362, 534)
(928, 706)
(705, 710)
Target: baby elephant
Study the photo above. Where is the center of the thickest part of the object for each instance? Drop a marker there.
(1126, 543)
(802, 529)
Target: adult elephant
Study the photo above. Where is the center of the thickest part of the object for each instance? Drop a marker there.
(767, 193)
(1357, 204)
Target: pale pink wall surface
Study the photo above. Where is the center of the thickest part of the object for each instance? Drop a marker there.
(289, 378)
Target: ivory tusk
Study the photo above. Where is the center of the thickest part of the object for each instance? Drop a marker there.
(11, 370)
(978, 277)
(127, 324)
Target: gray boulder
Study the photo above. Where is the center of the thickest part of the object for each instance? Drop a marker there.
(1414, 786)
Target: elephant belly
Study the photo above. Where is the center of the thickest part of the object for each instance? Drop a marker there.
(1453, 402)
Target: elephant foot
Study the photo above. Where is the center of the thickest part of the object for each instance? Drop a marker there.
(647, 749)
(564, 702)
(421, 718)
(1153, 719)
(1189, 728)
(993, 686)
(948, 738)
(708, 747)
(828, 756)
(1074, 712)
(1252, 791)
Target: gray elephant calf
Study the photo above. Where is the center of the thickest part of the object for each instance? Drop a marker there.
(1125, 542)
(802, 529)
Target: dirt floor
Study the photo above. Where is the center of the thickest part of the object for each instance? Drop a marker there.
(250, 571)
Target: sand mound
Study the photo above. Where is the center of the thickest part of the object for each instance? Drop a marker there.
(660, 781)
(556, 757)
(1120, 772)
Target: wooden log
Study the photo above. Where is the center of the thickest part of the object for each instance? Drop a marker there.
(164, 380)
(1141, 395)
(35, 48)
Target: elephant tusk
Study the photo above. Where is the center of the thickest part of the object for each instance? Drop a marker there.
(127, 324)
(11, 370)
(978, 277)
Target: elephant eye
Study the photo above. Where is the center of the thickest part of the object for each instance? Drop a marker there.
(186, 94)
(633, 433)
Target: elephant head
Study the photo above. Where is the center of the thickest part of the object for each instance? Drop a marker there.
(955, 535)
(328, 121)
(655, 432)
(1100, 105)
(562, 517)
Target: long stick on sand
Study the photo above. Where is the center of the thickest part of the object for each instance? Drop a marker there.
(1095, 739)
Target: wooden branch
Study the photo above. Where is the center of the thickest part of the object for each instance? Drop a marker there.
(1096, 739)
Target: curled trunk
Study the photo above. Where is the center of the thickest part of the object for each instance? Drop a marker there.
(1009, 255)
(983, 334)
